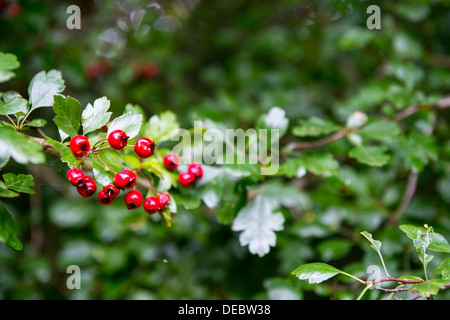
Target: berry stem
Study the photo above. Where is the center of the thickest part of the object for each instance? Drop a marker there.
(84, 158)
(104, 164)
(103, 148)
(154, 192)
(99, 142)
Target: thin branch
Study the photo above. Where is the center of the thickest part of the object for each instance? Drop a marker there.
(403, 281)
(409, 111)
(318, 143)
(410, 190)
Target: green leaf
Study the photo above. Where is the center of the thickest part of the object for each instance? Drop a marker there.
(8, 62)
(313, 127)
(383, 131)
(37, 123)
(374, 156)
(66, 154)
(8, 229)
(95, 116)
(43, 88)
(128, 122)
(19, 183)
(100, 175)
(316, 272)
(161, 127)
(258, 223)
(417, 150)
(15, 105)
(4, 156)
(68, 115)
(422, 239)
(428, 288)
(375, 244)
(443, 269)
(5, 193)
(20, 148)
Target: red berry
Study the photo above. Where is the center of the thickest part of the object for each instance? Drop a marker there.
(79, 145)
(105, 198)
(151, 205)
(171, 162)
(118, 139)
(144, 147)
(133, 199)
(196, 170)
(76, 177)
(186, 179)
(110, 190)
(163, 199)
(88, 189)
(125, 179)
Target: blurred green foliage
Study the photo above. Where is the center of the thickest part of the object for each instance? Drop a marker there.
(231, 61)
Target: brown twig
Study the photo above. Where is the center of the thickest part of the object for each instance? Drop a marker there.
(317, 143)
(409, 111)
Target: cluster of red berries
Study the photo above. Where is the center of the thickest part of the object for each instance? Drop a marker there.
(123, 180)
(187, 179)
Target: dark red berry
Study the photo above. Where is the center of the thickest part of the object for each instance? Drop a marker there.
(88, 189)
(171, 162)
(125, 179)
(196, 170)
(151, 205)
(80, 146)
(76, 177)
(133, 199)
(110, 190)
(118, 139)
(163, 199)
(105, 198)
(144, 147)
(186, 179)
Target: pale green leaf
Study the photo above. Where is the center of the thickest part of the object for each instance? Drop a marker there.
(129, 122)
(43, 88)
(95, 116)
(374, 156)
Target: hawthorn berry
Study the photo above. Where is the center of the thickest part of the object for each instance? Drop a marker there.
(171, 162)
(186, 179)
(125, 179)
(88, 189)
(196, 170)
(79, 145)
(133, 199)
(163, 199)
(151, 205)
(105, 198)
(76, 177)
(144, 147)
(110, 190)
(118, 139)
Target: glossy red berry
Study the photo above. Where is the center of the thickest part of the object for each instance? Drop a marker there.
(163, 199)
(133, 199)
(151, 205)
(79, 145)
(88, 189)
(196, 170)
(171, 162)
(111, 190)
(186, 179)
(105, 198)
(76, 177)
(125, 179)
(144, 147)
(118, 139)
